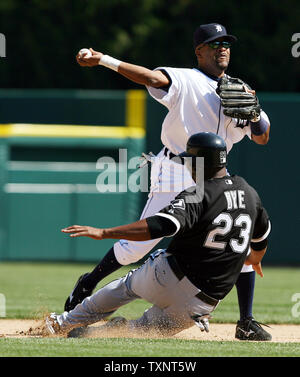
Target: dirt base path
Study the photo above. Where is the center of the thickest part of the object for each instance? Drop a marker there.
(16, 328)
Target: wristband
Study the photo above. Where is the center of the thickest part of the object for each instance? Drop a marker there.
(110, 62)
(259, 128)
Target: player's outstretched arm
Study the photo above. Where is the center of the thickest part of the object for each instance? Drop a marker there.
(142, 230)
(135, 73)
(137, 231)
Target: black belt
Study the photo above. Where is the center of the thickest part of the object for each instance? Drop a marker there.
(168, 153)
(180, 275)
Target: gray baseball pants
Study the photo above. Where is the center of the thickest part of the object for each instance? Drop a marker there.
(173, 300)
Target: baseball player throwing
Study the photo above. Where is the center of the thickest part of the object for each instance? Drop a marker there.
(211, 238)
(198, 99)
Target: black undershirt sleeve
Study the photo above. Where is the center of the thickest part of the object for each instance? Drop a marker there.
(257, 246)
(160, 227)
(261, 228)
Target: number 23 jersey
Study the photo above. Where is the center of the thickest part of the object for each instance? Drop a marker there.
(215, 230)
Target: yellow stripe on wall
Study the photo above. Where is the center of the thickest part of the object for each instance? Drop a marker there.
(57, 130)
(135, 124)
(136, 108)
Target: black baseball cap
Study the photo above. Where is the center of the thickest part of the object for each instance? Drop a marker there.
(209, 32)
(208, 145)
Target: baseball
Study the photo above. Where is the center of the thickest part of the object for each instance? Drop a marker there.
(86, 52)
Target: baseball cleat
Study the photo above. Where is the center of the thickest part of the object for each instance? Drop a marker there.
(78, 294)
(52, 324)
(249, 329)
(115, 323)
(78, 332)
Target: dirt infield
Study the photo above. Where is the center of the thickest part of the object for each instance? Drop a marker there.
(18, 328)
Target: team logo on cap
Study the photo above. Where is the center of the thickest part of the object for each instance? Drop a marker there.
(218, 28)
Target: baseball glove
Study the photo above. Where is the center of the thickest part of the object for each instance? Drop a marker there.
(237, 99)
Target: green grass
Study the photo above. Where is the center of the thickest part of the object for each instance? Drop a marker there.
(121, 347)
(31, 289)
(34, 288)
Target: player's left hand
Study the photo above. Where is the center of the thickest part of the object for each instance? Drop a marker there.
(238, 99)
(84, 231)
(258, 269)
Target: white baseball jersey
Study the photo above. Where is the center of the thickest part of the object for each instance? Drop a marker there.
(194, 106)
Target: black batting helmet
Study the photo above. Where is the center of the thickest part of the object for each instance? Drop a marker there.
(210, 146)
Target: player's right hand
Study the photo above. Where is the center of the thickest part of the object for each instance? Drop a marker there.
(91, 61)
(84, 231)
(258, 269)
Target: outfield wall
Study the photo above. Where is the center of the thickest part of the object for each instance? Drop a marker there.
(51, 140)
(49, 173)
